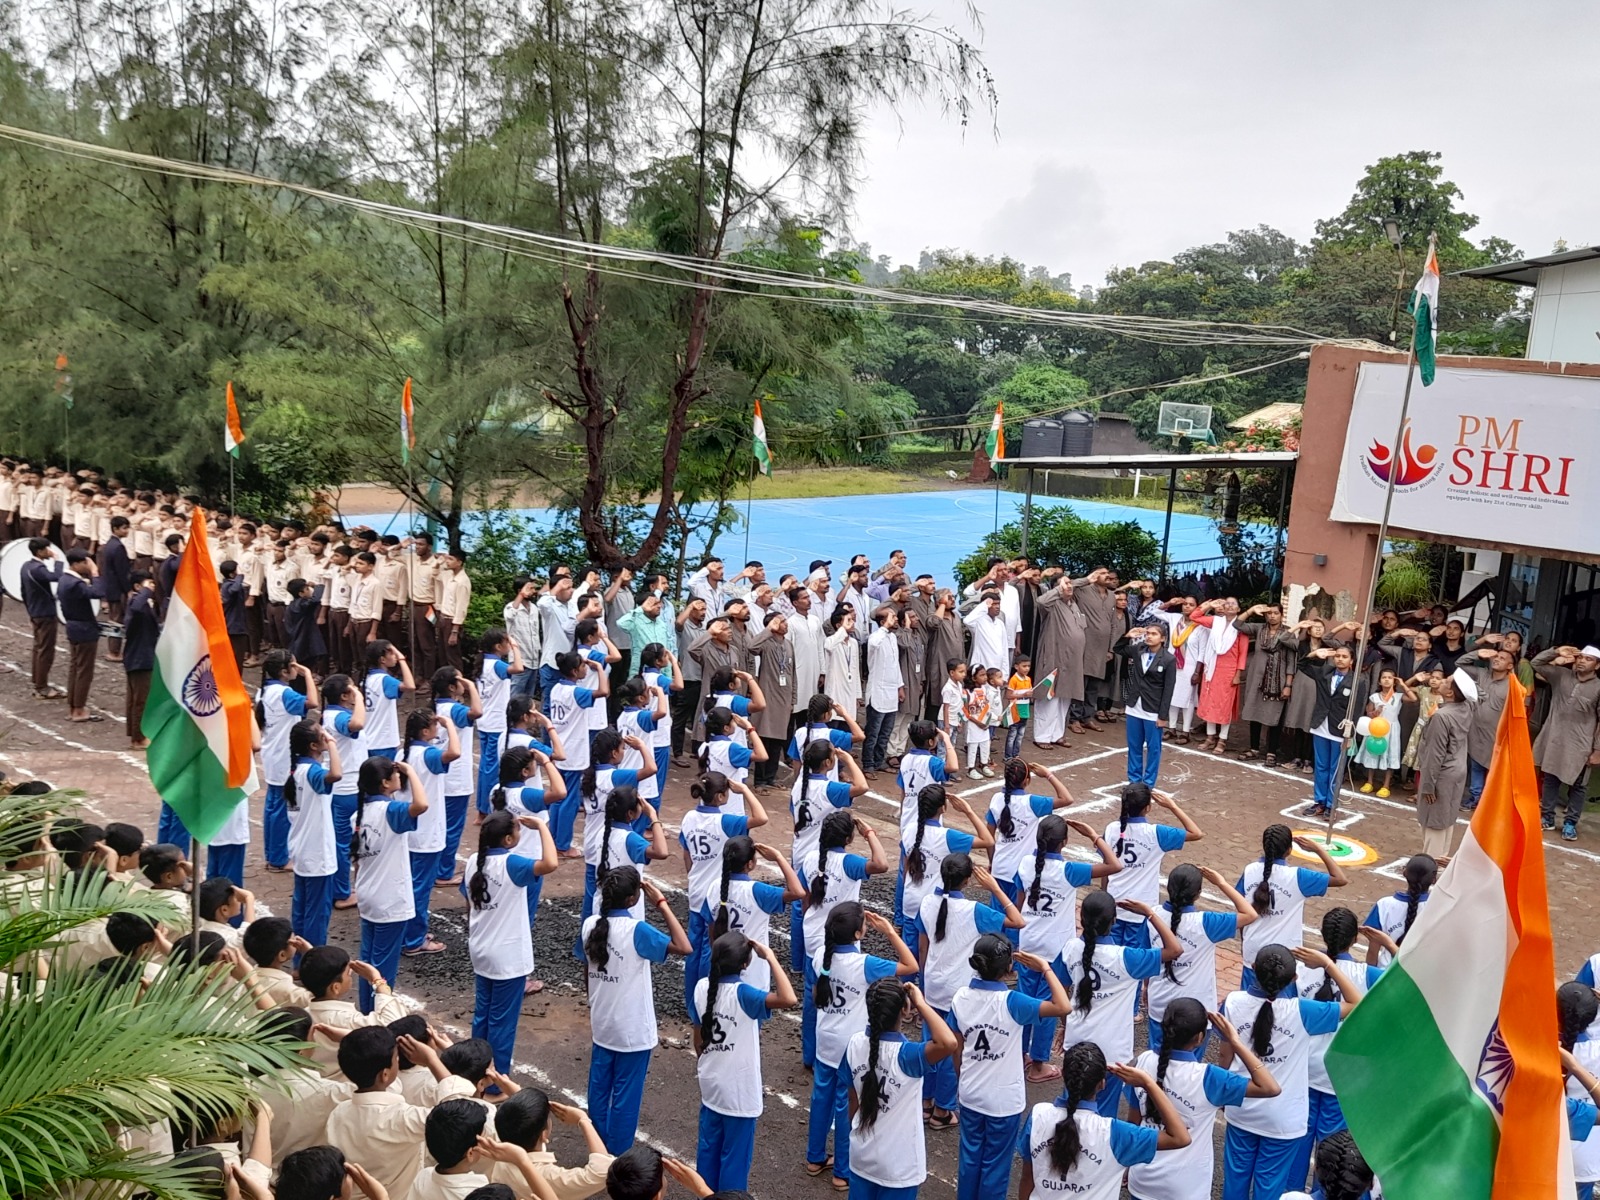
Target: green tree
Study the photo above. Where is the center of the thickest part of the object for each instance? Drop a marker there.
(1034, 387)
(1057, 536)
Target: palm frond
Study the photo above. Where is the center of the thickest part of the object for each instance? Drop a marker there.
(38, 909)
(87, 1055)
(26, 819)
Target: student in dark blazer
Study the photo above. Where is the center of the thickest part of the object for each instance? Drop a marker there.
(39, 578)
(141, 626)
(1152, 673)
(116, 579)
(1332, 669)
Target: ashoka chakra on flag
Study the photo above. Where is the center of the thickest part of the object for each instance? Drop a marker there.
(200, 693)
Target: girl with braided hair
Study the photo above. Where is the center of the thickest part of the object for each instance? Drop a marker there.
(1046, 888)
(1194, 972)
(820, 710)
(568, 702)
(428, 748)
(702, 834)
(843, 974)
(723, 750)
(888, 1159)
(1105, 979)
(931, 759)
(1066, 1142)
(344, 714)
(643, 711)
(728, 1012)
(620, 845)
(1014, 813)
(518, 794)
(619, 948)
(746, 904)
(308, 799)
(923, 848)
(1340, 1170)
(1576, 1009)
(499, 938)
(1397, 913)
(1278, 891)
(1339, 932)
(992, 1021)
(603, 774)
(831, 875)
(456, 702)
(1199, 1091)
(1265, 1150)
(389, 799)
(812, 798)
(948, 926)
(1140, 844)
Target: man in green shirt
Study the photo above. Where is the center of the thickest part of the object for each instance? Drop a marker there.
(646, 623)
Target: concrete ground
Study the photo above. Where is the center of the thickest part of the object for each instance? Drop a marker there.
(1231, 801)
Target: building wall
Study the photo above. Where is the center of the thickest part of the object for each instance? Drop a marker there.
(1566, 314)
(1339, 584)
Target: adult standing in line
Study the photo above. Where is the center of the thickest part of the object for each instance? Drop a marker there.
(1269, 673)
(706, 585)
(1028, 584)
(1490, 668)
(116, 575)
(1096, 596)
(806, 635)
(943, 639)
(998, 580)
(739, 633)
(1058, 647)
(1569, 741)
(167, 572)
(913, 644)
(691, 626)
(991, 636)
(714, 650)
(924, 594)
(522, 620)
(854, 594)
(885, 689)
(1442, 763)
(841, 660)
(76, 593)
(1224, 661)
(1411, 654)
(140, 630)
(776, 679)
(1174, 614)
(39, 578)
(558, 620)
(619, 603)
(455, 598)
(647, 621)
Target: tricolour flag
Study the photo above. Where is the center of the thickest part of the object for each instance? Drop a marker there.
(408, 429)
(1448, 1071)
(233, 429)
(198, 715)
(1048, 683)
(1424, 307)
(996, 442)
(759, 431)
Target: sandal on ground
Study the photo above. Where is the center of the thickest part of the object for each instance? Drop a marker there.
(428, 947)
(814, 1169)
(840, 1185)
(344, 905)
(1271, 760)
(1249, 754)
(1041, 1072)
(948, 1121)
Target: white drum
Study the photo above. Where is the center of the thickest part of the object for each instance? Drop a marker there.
(14, 557)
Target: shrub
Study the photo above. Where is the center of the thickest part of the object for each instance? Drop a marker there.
(1057, 536)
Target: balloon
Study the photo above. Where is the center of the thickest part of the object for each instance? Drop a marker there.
(1377, 745)
(1378, 727)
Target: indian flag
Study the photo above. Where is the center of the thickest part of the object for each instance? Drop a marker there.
(996, 443)
(198, 715)
(759, 431)
(408, 428)
(233, 428)
(1448, 1071)
(1424, 308)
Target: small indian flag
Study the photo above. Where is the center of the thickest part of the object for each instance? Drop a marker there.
(763, 455)
(198, 715)
(996, 442)
(1424, 308)
(408, 429)
(1048, 683)
(1449, 1070)
(233, 430)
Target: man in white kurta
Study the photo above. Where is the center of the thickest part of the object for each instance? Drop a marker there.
(885, 688)
(991, 634)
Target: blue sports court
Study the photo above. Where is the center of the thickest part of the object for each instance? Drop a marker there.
(933, 528)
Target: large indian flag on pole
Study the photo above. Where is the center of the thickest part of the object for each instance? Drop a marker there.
(198, 715)
(233, 428)
(996, 441)
(1424, 308)
(758, 429)
(1448, 1071)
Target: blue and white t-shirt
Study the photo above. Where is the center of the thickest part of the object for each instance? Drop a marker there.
(459, 777)
(703, 832)
(569, 715)
(1194, 972)
(1107, 1146)
(1199, 1091)
(1389, 915)
(382, 731)
(938, 844)
(1142, 844)
(1282, 923)
(311, 841)
(349, 746)
(918, 768)
(499, 939)
(622, 1009)
(1052, 920)
(729, 1066)
(1295, 1022)
(1115, 973)
(994, 1021)
(282, 706)
(1011, 849)
(494, 689)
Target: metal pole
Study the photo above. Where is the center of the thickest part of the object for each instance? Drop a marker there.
(1166, 532)
(194, 899)
(233, 509)
(749, 505)
(1277, 538)
(1377, 567)
(996, 501)
(1027, 512)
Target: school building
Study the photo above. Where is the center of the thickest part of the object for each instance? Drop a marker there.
(1499, 458)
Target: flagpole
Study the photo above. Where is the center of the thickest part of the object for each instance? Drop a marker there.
(749, 505)
(1357, 668)
(194, 899)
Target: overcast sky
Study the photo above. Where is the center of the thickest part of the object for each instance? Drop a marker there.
(1130, 131)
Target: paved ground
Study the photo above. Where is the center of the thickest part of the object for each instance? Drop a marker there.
(1230, 800)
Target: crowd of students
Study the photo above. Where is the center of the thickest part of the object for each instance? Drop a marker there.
(584, 703)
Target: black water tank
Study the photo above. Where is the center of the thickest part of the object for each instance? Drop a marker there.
(1077, 434)
(1042, 437)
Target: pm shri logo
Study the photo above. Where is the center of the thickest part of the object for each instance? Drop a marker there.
(200, 693)
(1409, 468)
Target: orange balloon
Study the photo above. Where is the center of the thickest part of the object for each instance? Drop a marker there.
(1378, 727)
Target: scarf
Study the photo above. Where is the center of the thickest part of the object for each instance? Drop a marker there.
(1223, 635)
(1272, 677)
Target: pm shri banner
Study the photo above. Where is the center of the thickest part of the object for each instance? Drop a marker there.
(1494, 456)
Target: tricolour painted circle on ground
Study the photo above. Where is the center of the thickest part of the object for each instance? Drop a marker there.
(1345, 851)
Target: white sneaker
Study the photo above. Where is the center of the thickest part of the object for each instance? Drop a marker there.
(988, 773)
(974, 774)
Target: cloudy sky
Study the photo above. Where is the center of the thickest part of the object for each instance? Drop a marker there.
(1129, 131)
